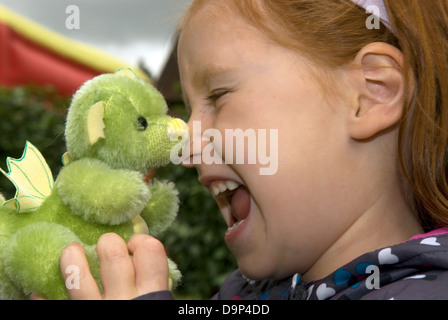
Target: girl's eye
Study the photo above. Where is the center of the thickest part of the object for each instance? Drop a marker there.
(216, 95)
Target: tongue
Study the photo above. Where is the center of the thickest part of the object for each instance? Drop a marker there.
(240, 203)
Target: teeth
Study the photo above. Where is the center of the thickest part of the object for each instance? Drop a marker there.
(223, 187)
(236, 225)
(219, 189)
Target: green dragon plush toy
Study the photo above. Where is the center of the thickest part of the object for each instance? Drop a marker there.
(117, 131)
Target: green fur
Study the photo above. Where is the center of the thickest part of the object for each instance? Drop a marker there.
(100, 190)
(167, 195)
(118, 194)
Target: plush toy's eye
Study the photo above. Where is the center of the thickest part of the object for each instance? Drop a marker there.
(143, 123)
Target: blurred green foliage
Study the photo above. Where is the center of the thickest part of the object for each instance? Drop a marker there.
(32, 114)
(195, 241)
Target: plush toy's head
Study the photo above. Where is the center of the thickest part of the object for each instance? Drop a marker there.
(121, 120)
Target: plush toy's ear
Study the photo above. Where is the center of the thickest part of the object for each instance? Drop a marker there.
(95, 122)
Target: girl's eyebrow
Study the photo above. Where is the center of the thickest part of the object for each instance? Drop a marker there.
(202, 77)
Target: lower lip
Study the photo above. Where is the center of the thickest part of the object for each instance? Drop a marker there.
(232, 237)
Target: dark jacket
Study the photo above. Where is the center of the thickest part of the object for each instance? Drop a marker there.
(413, 270)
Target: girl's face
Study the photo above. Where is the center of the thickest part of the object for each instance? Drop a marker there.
(234, 78)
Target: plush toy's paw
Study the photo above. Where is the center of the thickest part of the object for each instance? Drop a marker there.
(174, 274)
(99, 194)
(31, 259)
(162, 209)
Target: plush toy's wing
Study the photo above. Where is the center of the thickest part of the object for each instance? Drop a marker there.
(32, 178)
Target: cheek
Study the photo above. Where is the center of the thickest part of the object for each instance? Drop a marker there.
(309, 155)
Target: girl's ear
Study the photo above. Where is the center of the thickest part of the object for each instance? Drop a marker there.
(380, 86)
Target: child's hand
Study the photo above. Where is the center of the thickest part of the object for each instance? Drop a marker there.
(122, 277)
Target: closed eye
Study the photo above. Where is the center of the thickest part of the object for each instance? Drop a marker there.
(217, 94)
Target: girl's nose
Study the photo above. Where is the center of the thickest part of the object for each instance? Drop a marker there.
(193, 150)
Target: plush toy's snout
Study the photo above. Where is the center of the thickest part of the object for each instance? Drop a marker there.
(177, 127)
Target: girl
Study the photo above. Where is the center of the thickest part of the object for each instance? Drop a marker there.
(362, 145)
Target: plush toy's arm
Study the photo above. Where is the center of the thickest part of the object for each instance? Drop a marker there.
(162, 209)
(94, 191)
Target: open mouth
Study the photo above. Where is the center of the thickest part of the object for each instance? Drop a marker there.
(234, 201)
(149, 176)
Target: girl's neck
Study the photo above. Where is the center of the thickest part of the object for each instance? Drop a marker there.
(387, 222)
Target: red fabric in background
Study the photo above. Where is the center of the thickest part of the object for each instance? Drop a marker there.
(23, 62)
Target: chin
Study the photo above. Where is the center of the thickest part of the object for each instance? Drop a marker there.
(260, 270)
(255, 271)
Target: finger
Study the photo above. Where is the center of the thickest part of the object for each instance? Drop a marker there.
(117, 270)
(75, 270)
(35, 296)
(150, 264)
